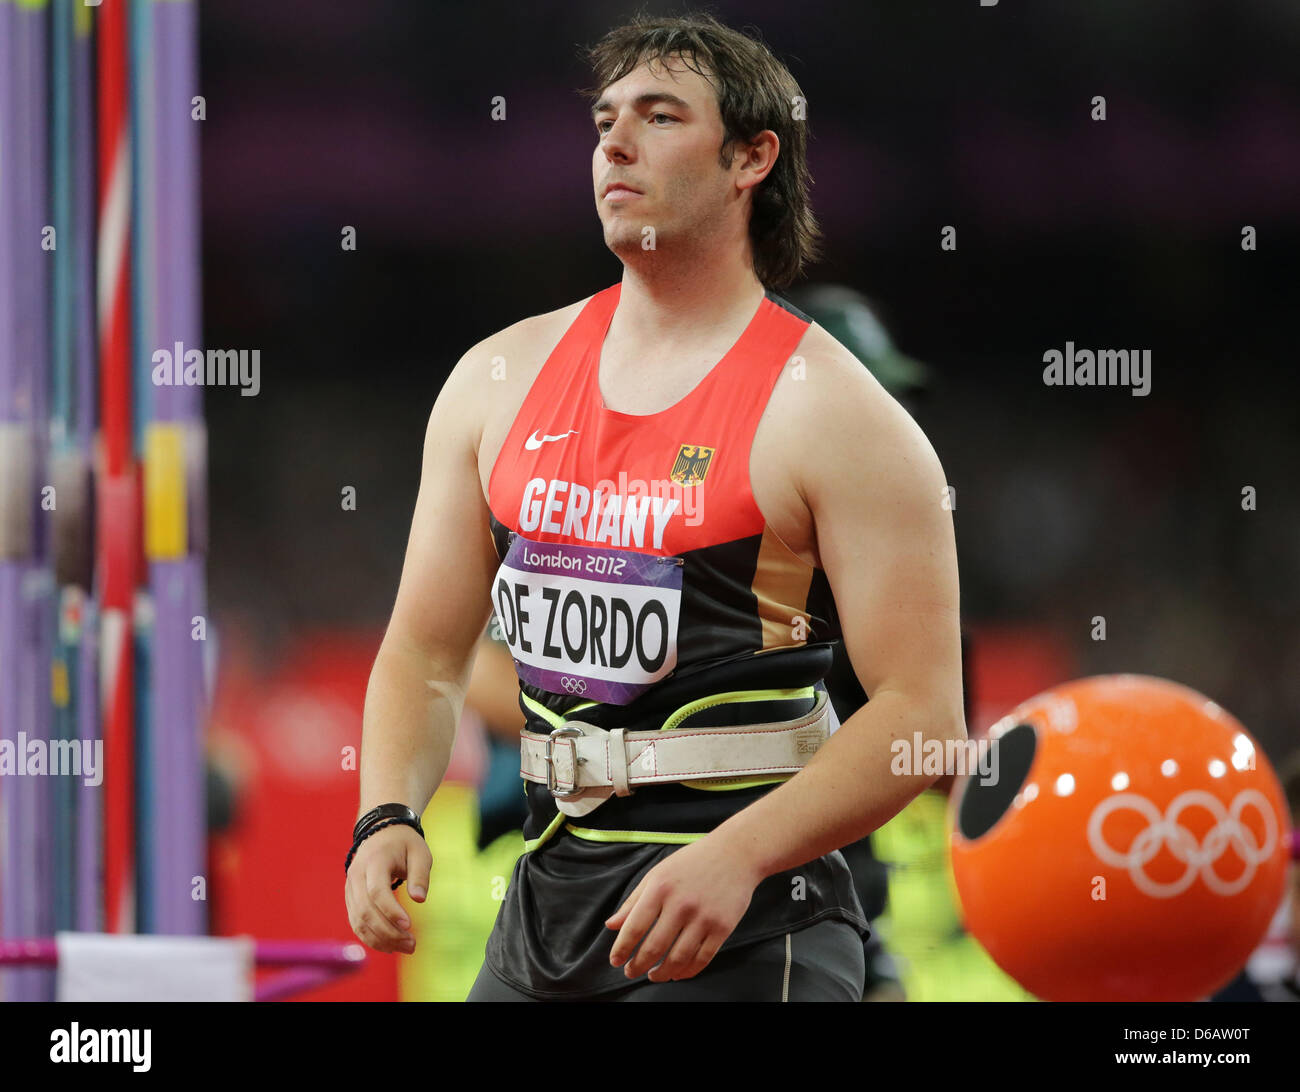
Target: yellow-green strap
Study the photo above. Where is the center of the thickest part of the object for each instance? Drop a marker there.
(728, 784)
(553, 719)
(664, 837)
(546, 835)
(654, 837)
(714, 784)
(729, 697)
(675, 718)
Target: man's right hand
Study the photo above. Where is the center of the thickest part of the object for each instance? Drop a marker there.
(376, 917)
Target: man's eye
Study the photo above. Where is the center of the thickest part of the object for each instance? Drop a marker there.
(601, 126)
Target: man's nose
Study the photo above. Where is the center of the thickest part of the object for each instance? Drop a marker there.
(617, 143)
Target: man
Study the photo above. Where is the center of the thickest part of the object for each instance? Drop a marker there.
(659, 488)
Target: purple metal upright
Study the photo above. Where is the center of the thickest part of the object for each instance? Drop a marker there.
(36, 327)
(176, 568)
(26, 584)
(88, 881)
(15, 535)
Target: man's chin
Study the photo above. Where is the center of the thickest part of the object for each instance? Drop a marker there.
(623, 240)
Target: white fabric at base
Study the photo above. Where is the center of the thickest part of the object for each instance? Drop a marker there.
(108, 967)
(1274, 960)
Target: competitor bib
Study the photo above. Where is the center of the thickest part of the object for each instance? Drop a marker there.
(589, 621)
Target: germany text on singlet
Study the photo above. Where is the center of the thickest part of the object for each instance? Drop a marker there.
(638, 579)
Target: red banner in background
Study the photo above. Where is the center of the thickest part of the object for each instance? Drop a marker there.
(1011, 663)
(287, 741)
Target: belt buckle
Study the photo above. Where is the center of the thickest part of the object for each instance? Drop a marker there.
(569, 729)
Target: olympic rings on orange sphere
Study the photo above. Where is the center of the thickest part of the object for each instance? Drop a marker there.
(1131, 843)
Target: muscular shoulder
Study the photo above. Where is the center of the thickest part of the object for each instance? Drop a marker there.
(858, 428)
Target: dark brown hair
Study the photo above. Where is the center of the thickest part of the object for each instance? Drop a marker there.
(755, 92)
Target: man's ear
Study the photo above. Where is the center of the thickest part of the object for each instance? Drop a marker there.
(757, 157)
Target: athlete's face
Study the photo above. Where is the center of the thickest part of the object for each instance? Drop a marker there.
(659, 132)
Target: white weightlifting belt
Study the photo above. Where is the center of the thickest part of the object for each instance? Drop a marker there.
(584, 766)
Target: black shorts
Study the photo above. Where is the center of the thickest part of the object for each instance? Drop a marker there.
(550, 940)
(821, 962)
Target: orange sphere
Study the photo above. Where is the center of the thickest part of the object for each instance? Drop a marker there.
(1131, 843)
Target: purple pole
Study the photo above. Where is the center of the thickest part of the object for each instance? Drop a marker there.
(177, 578)
(14, 502)
(46, 599)
(88, 868)
(15, 537)
(34, 23)
(287, 983)
(26, 584)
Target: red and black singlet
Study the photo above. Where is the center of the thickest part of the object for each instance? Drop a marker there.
(631, 545)
(637, 577)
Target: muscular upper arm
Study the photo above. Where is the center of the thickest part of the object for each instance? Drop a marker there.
(443, 599)
(878, 498)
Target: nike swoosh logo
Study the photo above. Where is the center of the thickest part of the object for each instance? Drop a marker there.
(533, 443)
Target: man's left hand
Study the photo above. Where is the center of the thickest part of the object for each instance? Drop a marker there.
(688, 904)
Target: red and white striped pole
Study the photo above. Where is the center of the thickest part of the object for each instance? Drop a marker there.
(118, 503)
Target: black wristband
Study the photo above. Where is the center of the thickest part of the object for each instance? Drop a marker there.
(386, 811)
(375, 828)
